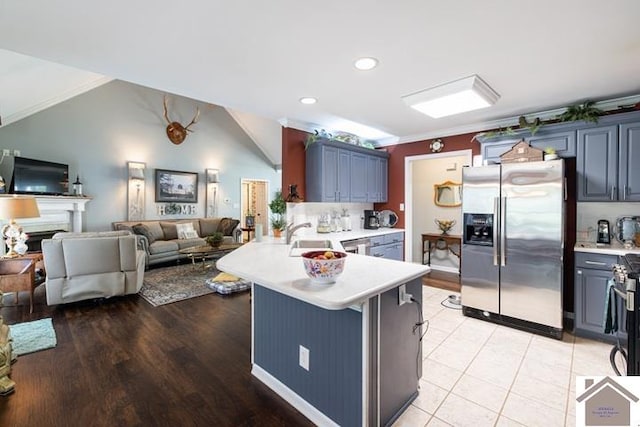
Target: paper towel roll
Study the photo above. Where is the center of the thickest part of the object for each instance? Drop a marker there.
(258, 233)
(362, 249)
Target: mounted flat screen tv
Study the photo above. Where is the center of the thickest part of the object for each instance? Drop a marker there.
(32, 176)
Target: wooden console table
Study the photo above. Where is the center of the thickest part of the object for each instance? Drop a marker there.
(19, 274)
(442, 242)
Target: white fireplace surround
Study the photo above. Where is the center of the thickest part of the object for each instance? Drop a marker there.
(56, 213)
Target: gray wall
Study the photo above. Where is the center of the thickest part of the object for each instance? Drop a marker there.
(97, 132)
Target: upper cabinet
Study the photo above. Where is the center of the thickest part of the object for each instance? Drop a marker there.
(561, 138)
(605, 163)
(338, 172)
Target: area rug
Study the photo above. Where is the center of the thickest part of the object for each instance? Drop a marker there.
(176, 283)
(30, 337)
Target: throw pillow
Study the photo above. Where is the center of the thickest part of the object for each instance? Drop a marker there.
(186, 231)
(169, 229)
(143, 230)
(227, 225)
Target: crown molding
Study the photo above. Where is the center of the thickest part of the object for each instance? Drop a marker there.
(606, 105)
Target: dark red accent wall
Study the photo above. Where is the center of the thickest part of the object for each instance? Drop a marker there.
(293, 160)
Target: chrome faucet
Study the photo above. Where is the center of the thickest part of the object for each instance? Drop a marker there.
(292, 229)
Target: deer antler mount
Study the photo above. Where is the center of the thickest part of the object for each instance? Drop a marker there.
(175, 131)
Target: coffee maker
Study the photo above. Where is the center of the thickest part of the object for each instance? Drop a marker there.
(371, 219)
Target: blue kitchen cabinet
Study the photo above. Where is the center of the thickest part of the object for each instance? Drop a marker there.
(597, 164)
(358, 177)
(607, 161)
(338, 172)
(628, 161)
(388, 246)
(561, 138)
(328, 167)
(592, 275)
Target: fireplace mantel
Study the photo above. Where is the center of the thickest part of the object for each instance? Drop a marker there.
(56, 213)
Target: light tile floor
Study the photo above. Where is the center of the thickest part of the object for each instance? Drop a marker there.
(477, 373)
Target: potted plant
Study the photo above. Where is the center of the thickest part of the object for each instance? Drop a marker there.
(215, 239)
(550, 153)
(278, 208)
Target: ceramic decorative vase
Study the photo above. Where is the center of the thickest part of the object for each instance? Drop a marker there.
(445, 225)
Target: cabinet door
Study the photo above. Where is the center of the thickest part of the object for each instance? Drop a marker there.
(358, 177)
(329, 174)
(563, 142)
(373, 181)
(378, 251)
(393, 251)
(383, 180)
(597, 164)
(628, 162)
(590, 293)
(344, 176)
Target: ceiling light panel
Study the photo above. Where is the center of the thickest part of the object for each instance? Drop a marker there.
(308, 100)
(467, 94)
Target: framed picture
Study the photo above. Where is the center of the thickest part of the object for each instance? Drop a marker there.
(176, 186)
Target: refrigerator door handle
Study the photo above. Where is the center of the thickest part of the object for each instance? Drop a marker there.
(496, 209)
(503, 232)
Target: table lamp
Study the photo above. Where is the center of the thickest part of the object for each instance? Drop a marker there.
(11, 208)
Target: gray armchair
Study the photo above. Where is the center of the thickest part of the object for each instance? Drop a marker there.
(82, 266)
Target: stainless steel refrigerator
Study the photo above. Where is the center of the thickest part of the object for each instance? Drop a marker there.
(512, 249)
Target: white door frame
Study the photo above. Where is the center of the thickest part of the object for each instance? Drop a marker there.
(243, 208)
(408, 191)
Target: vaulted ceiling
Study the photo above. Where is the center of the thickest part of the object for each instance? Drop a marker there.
(259, 58)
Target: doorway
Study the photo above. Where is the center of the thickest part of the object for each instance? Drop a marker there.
(421, 174)
(254, 201)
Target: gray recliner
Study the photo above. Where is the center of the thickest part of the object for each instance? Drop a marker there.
(82, 266)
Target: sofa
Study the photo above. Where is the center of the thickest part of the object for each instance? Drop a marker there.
(162, 239)
(92, 265)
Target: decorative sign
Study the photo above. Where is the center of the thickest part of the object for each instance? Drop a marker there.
(177, 209)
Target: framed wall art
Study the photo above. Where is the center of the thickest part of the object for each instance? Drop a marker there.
(176, 186)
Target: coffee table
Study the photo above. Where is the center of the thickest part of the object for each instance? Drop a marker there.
(206, 252)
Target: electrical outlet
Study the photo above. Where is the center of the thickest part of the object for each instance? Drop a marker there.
(403, 296)
(304, 357)
(16, 153)
(6, 152)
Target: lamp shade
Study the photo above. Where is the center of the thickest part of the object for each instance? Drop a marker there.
(136, 173)
(212, 176)
(18, 207)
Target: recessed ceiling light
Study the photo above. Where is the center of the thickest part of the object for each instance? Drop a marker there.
(366, 64)
(308, 100)
(467, 94)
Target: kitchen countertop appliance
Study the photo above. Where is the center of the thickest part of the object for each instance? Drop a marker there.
(604, 235)
(371, 219)
(626, 276)
(512, 247)
(626, 229)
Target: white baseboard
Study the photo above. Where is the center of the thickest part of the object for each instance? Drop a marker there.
(308, 410)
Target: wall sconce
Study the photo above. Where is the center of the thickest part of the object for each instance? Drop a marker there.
(212, 179)
(135, 191)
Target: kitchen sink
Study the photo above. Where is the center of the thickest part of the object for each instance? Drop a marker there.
(301, 246)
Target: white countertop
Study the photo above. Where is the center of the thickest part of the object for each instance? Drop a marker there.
(615, 248)
(268, 264)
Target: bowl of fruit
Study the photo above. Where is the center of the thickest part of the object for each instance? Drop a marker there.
(323, 266)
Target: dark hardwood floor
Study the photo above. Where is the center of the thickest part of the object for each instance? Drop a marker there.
(122, 362)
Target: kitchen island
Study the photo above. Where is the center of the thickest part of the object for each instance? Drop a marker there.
(345, 354)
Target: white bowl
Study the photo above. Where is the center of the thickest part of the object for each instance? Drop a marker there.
(324, 270)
